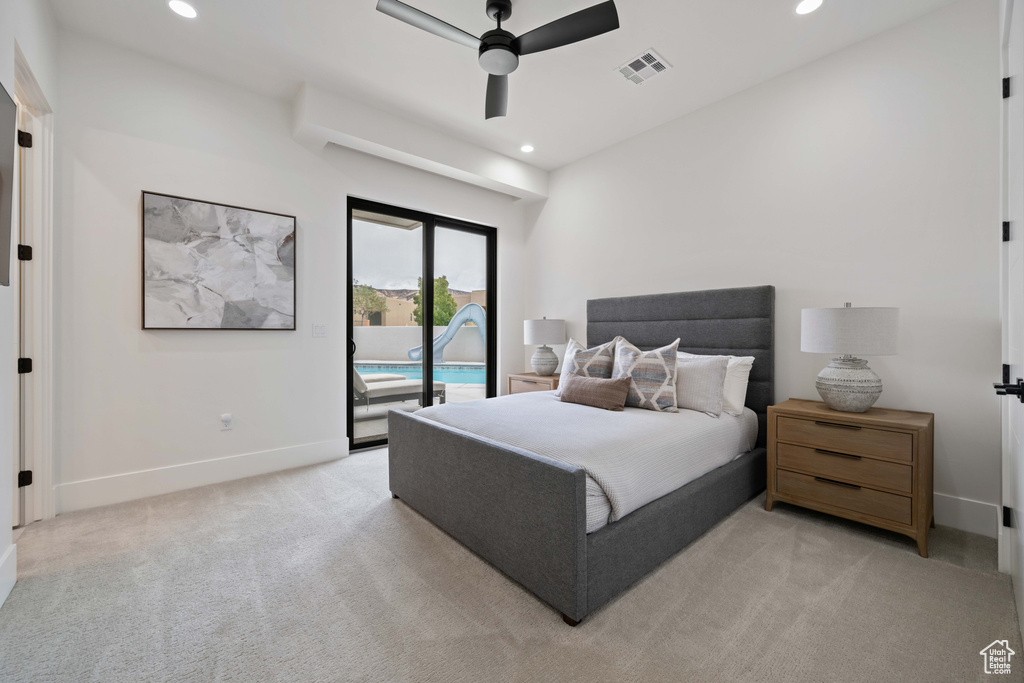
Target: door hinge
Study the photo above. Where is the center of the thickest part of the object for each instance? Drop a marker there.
(1006, 373)
(1006, 87)
(1006, 231)
(1007, 516)
(24, 252)
(24, 366)
(24, 479)
(24, 139)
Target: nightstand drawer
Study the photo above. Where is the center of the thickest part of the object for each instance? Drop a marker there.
(854, 439)
(857, 499)
(519, 386)
(849, 468)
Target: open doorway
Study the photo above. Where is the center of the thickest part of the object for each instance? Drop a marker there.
(410, 345)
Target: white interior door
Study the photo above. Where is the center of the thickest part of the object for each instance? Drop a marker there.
(1012, 294)
(25, 280)
(16, 393)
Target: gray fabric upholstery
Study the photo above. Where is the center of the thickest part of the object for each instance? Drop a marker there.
(728, 322)
(522, 512)
(526, 514)
(622, 553)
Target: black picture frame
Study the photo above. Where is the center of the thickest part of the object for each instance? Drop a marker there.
(142, 262)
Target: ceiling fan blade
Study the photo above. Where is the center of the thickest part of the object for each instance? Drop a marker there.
(497, 96)
(414, 17)
(573, 28)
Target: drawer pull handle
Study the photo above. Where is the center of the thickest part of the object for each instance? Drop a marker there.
(841, 455)
(836, 483)
(836, 424)
(528, 381)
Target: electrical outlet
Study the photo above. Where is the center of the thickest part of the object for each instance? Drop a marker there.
(227, 421)
(319, 329)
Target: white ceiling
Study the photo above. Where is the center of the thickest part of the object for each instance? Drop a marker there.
(568, 103)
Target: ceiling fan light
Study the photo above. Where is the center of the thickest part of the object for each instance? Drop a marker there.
(499, 61)
(808, 6)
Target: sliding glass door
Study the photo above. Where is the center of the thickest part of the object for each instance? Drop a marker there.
(412, 345)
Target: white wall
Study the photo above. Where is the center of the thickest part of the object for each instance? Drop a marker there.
(870, 176)
(28, 24)
(130, 402)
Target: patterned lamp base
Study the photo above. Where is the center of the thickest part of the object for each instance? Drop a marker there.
(544, 361)
(847, 384)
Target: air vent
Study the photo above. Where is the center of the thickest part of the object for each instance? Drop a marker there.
(644, 67)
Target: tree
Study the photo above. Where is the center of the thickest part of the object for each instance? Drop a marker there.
(444, 302)
(366, 301)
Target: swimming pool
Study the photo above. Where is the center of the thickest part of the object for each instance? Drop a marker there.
(449, 373)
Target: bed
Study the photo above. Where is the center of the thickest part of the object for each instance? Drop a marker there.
(526, 513)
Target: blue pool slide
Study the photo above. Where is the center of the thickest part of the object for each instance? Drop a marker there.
(468, 313)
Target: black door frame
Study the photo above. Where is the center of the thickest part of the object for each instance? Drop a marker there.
(430, 224)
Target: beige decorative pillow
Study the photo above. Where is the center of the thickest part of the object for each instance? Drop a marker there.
(608, 394)
(593, 362)
(653, 375)
(700, 385)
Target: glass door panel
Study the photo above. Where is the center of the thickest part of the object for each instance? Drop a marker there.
(386, 254)
(460, 334)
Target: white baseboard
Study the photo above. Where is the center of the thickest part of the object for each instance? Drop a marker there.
(119, 488)
(8, 571)
(967, 515)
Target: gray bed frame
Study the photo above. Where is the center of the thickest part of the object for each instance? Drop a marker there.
(526, 514)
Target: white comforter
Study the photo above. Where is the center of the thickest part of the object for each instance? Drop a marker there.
(631, 457)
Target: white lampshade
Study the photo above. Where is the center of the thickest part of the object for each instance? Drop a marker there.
(853, 331)
(546, 331)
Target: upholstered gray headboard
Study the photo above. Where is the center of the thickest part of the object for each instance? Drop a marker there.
(734, 322)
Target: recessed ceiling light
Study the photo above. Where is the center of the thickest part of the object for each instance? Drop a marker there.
(183, 8)
(808, 6)
(527, 148)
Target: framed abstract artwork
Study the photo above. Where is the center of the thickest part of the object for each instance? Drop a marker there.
(210, 266)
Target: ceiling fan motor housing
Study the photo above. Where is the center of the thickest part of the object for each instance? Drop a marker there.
(497, 56)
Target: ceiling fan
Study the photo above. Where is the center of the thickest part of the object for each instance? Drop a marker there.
(500, 50)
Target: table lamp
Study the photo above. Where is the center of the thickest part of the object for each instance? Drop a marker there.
(847, 383)
(544, 332)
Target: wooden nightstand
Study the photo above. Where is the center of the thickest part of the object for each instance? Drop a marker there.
(531, 381)
(873, 467)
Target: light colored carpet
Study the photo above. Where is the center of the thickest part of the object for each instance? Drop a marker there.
(318, 575)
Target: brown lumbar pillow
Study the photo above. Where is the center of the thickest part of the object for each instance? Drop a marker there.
(609, 394)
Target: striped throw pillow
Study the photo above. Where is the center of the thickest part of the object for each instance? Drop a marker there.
(653, 374)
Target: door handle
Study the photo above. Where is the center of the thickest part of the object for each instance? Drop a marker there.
(1011, 389)
(352, 346)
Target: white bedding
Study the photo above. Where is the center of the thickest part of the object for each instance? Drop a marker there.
(631, 457)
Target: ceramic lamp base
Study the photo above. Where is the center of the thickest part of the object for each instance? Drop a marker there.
(544, 361)
(847, 384)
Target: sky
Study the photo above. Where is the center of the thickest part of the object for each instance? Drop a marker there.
(385, 257)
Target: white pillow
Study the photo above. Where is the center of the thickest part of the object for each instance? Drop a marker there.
(737, 375)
